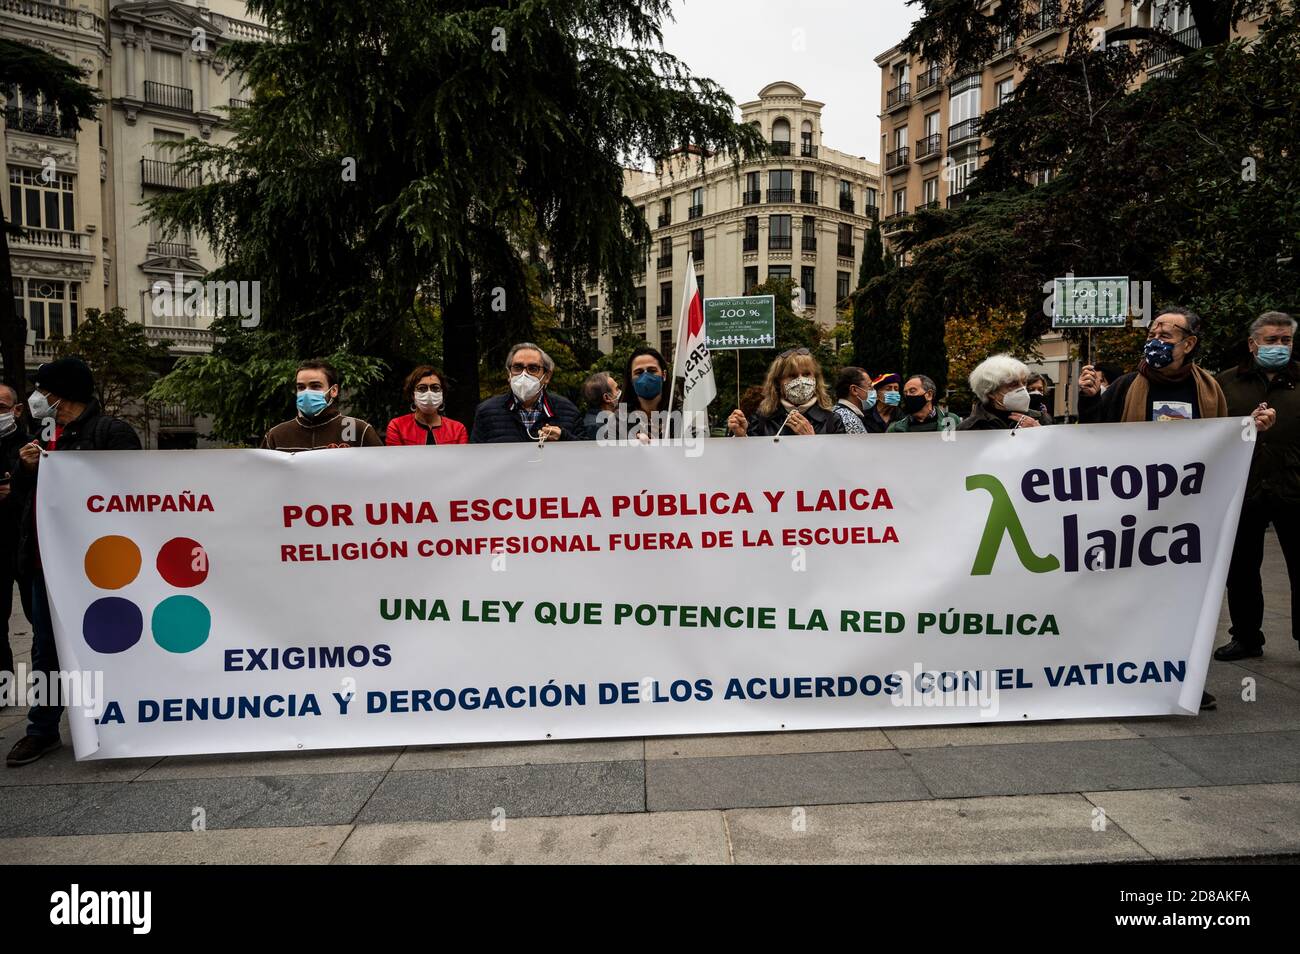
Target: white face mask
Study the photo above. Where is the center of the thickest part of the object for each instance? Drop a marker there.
(39, 406)
(7, 425)
(800, 390)
(1017, 400)
(428, 400)
(525, 386)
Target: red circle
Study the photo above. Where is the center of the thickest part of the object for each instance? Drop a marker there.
(183, 562)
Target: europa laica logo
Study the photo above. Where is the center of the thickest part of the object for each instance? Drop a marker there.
(113, 624)
(1144, 542)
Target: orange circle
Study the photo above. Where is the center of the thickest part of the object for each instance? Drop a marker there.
(112, 562)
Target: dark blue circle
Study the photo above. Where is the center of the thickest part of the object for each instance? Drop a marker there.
(112, 625)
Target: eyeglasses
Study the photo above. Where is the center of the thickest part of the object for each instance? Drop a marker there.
(534, 369)
(792, 351)
(426, 388)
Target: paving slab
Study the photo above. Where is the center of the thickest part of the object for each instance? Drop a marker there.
(1007, 733)
(311, 845)
(765, 743)
(1221, 821)
(1044, 768)
(1276, 706)
(61, 766)
(112, 807)
(318, 762)
(635, 838)
(1031, 829)
(818, 778)
(1239, 759)
(508, 791)
(418, 758)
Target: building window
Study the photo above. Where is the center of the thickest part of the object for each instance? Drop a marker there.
(932, 123)
(841, 286)
(844, 241)
(780, 185)
(1004, 89)
(665, 299)
(806, 140)
(930, 192)
(964, 108)
(51, 307)
(778, 232)
(808, 282)
(697, 244)
(778, 273)
(30, 113)
(37, 204)
(964, 163)
(900, 202)
(808, 187)
(751, 278)
(751, 233)
(699, 284)
(809, 234)
(665, 212)
(640, 304)
(665, 253)
(697, 203)
(752, 188)
(872, 201)
(173, 244)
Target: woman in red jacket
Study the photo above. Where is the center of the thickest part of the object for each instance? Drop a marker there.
(425, 425)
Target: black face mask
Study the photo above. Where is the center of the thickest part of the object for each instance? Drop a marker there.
(1036, 401)
(912, 403)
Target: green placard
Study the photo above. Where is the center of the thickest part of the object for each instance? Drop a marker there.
(1090, 302)
(734, 323)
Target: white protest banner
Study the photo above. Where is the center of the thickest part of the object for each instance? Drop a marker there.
(254, 600)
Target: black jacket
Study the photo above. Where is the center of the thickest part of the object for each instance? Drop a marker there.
(1275, 468)
(11, 507)
(983, 418)
(91, 430)
(822, 420)
(497, 419)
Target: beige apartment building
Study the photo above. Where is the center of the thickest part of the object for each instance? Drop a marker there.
(798, 213)
(78, 195)
(930, 139)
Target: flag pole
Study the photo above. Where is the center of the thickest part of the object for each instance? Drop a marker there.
(677, 334)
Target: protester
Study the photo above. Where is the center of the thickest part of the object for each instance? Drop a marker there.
(855, 398)
(526, 412)
(1001, 395)
(1167, 386)
(920, 411)
(795, 400)
(1036, 385)
(1268, 376)
(645, 396)
(888, 398)
(13, 436)
(601, 394)
(424, 392)
(1109, 374)
(68, 418)
(319, 423)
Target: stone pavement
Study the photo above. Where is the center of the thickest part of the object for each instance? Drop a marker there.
(1224, 785)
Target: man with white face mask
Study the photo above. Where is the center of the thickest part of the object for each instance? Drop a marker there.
(12, 438)
(68, 418)
(1001, 396)
(526, 412)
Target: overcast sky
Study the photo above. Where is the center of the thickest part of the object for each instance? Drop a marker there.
(746, 44)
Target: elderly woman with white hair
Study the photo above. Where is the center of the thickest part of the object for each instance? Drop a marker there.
(1001, 396)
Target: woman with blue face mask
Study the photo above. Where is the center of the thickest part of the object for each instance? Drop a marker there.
(644, 407)
(889, 395)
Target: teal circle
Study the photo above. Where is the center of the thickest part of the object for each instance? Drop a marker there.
(181, 624)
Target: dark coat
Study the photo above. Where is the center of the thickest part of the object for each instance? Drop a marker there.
(1275, 467)
(497, 420)
(12, 507)
(985, 419)
(822, 420)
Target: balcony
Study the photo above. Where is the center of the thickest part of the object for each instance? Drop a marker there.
(956, 199)
(928, 82)
(1047, 18)
(960, 132)
(846, 202)
(928, 146)
(39, 121)
(664, 261)
(182, 339)
(172, 97)
(808, 196)
(167, 175)
(665, 218)
(752, 197)
(780, 148)
(779, 243)
(899, 96)
(695, 211)
(175, 415)
(809, 243)
(844, 249)
(872, 212)
(809, 297)
(171, 249)
(664, 311)
(894, 220)
(1006, 42)
(37, 11)
(932, 204)
(240, 103)
(807, 150)
(780, 195)
(897, 159)
(750, 243)
(50, 239)
(1162, 55)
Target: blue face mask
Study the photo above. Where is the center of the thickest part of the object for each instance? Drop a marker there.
(1159, 354)
(869, 402)
(1273, 356)
(648, 385)
(892, 398)
(311, 403)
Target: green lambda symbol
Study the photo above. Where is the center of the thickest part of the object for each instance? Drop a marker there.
(1004, 519)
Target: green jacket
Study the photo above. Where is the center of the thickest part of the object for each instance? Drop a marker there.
(944, 420)
(1275, 468)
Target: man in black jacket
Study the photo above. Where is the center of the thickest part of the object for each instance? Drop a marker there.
(526, 412)
(12, 437)
(68, 418)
